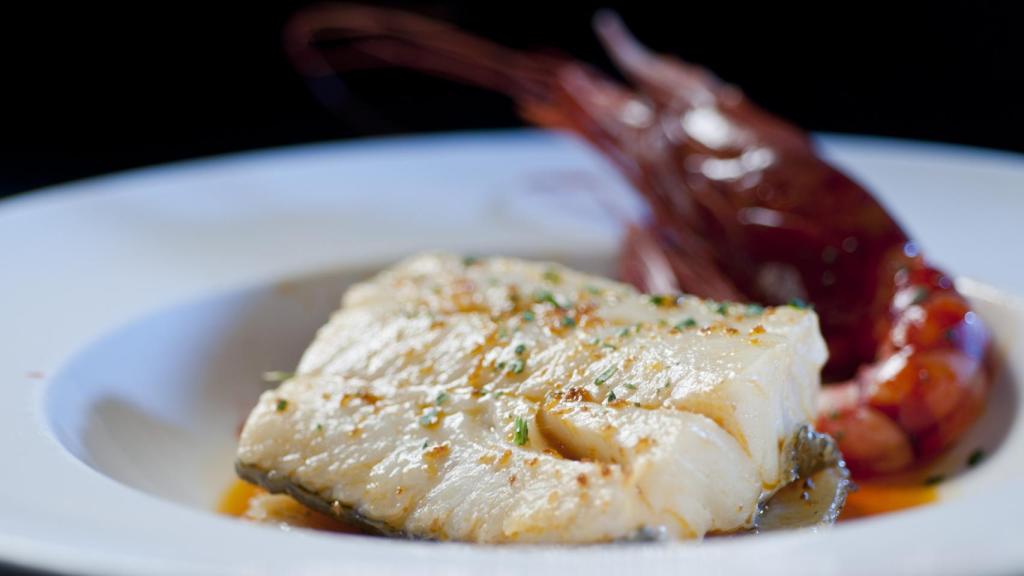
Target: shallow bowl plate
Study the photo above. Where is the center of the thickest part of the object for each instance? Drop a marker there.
(140, 309)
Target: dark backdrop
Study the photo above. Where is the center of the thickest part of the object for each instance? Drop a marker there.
(89, 89)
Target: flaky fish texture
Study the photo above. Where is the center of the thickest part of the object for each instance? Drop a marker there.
(501, 400)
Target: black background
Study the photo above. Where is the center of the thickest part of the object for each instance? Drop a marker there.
(91, 89)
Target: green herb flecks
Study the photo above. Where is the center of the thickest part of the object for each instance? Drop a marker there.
(520, 349)
(657, 299)
(442, 397)
(722, 308)
(281, 405)
(630, 386)
(611, 396)
(522, 432)
(547, 296)
(754, 310)
(470, 260)
(798, 303)
(430, 417)
(568, 321)
(934, 479)
(604, 376)
(684, 324)
(529, 316)
(551, 275)
(516, 366)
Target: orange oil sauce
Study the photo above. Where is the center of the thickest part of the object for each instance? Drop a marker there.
(872, 499)
(252, 503)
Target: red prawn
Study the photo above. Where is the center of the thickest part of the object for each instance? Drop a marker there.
(741, 208)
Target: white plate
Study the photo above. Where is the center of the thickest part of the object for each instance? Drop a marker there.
(140, 309)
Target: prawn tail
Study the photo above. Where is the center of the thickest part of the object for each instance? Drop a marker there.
(326, 39)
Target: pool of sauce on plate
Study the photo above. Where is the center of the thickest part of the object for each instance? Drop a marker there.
(874, 498)
(870, 499)
(254, 504)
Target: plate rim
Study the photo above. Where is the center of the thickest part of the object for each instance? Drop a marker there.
(51, 554)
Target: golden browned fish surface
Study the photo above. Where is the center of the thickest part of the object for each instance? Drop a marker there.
(500, 400)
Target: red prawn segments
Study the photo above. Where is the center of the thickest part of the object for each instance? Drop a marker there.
(741, 208)
(928, 385)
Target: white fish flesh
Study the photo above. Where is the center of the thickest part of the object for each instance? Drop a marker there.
(500, 400)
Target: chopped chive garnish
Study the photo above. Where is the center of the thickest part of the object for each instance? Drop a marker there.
(754, 309)
(429, 418)
(442, 397)
(623, 332)
(604, 376)
(722, 309)
(520, 349)
(609, 346)
(547, 296)
(798, 303)
(568, 321)
(684, 324)
(611, 396)
(528, 316)
(551, 275)
(631, 386)
(522, 432)
(657, 299)
(319, 427)
(281, 405)
(516, 366)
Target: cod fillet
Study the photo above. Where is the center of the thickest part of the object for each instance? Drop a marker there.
(501, 400)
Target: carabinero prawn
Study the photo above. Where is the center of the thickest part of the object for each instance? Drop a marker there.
(742, 207)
